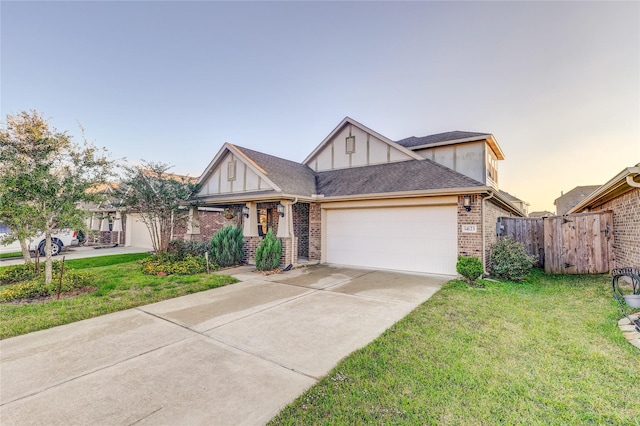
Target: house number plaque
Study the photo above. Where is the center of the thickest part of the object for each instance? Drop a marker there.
(469, 229)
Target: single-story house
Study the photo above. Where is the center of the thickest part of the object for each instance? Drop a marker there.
(362, 199)
(622, 196)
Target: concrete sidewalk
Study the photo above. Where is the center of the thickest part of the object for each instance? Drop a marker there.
(233, 355)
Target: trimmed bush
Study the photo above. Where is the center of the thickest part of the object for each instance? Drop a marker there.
(24, 272)
(163, 264)
(227, 247)
(71, 280)
(180, 249)
(469, 267)
(268, 253)
(510, 261)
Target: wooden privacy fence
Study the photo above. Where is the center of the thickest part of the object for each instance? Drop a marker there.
(572, 244)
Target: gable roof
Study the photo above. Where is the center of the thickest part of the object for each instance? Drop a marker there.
(291, 177)
(450, 138)
(567, 201)
(627, 180)
(412, 175)
(348, 120)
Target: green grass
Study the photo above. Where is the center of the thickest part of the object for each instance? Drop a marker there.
(10, 255)
(120, 285)
(547, 351)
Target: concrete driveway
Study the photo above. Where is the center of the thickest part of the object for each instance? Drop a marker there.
(233, 355)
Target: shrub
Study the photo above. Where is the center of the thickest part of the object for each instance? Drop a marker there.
(226, 246)
(164, 264)
(180, 249)
(509, 260)
(71, 280)
(24, 272)
(268, 253)
(469, 267)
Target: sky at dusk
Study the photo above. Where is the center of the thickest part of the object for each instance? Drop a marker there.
(557, 83)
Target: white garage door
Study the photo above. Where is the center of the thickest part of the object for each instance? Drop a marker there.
(137, 233)
(417, 239)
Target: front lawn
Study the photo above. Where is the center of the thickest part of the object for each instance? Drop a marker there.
(547, 351)
(120, 285)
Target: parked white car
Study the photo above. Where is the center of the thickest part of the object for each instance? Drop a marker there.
(59, 238)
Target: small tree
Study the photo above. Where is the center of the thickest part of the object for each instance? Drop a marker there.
(43, 177)
(469, 267)
(268, 253)
(227, 246)
(157, 196)
(510, 260)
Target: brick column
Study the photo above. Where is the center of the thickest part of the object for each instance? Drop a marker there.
(470, 242)
(315, 231)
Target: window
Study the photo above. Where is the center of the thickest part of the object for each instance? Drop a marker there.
(350, 144)
(492, 167)
(231, 170)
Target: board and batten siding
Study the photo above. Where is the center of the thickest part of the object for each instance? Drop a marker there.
(369, 150)
(245, 180)
(467, 158)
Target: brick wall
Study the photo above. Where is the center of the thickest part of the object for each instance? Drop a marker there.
(470, 244)
(315, 231)
(251, 245)
(491, 214)
(626, 227)
(301, 227)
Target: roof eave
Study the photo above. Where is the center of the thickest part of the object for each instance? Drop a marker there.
(603, 194)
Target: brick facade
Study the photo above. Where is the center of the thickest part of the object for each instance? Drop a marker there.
(301, 227)
(626, 227)
(470, 243)
(288, 244)
(315, 232)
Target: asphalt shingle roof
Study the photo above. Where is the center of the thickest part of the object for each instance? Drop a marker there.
(291, 177)
(413, 175)
(440, 137)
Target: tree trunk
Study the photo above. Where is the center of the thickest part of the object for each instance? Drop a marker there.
(48, 267)
(26, 255)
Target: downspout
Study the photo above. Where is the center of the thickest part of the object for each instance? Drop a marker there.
(632, 182)
(484, 244)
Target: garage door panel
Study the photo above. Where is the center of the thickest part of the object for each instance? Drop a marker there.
(419, 239)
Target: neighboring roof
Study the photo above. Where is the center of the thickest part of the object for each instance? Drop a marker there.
(441, 137)
(512, 198)
(567, 201)
(349, 120)
(412, 175)
(291, 177)
(623, 182)
(543, 213)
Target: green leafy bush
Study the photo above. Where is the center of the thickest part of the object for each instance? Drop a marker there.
(180, 249)
(268, 253)
(469, 267)
(71, 280)
(163, 264)
(509, 260)
(24, 272)
(227, 246)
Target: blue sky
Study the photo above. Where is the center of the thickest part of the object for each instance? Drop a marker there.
(557, 83)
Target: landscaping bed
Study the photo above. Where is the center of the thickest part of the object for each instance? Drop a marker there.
(545, 351)
(116, 283)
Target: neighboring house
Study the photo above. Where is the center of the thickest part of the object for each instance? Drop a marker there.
(543, 213)
(522, 205)
(567, 201)
(622, 196)
(361, 199)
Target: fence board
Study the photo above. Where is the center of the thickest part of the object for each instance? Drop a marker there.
(572, 244)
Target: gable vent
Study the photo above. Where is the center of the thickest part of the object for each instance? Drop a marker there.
(231, 170)
(350, 144)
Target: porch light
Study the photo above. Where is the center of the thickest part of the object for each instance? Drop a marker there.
(281, 210)
(245, 212)
(466, 202)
